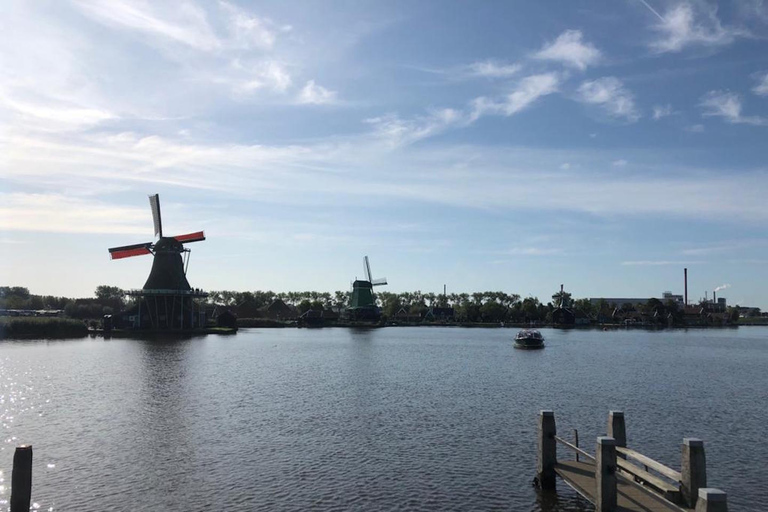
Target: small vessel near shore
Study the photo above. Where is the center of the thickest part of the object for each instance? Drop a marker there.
(529, 339)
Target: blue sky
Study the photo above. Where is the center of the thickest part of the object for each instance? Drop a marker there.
(506, 146)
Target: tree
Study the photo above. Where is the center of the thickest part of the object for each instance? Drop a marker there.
(584, 305)
(492, 311)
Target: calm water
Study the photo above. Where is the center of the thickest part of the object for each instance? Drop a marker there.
(388, 419)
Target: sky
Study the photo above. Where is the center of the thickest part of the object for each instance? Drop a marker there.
(511, 146)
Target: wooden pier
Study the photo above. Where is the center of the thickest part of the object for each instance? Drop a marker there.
(614, 484)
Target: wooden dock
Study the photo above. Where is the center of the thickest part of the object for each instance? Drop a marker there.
(581, 477)
(619, 479)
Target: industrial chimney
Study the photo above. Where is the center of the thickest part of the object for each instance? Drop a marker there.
(685, 274)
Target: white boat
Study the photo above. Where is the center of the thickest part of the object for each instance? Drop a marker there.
(529, 339)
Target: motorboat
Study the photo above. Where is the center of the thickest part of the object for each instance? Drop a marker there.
(529, 339)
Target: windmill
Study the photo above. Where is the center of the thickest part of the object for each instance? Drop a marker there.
(162, 299)
(362, 304)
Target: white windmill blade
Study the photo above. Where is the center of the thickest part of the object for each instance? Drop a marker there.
(367, 267)
(379, 282)
(154, 203)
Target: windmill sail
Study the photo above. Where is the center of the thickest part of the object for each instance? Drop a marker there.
(367, 267)
(126, 251)
(154, 203)
(191, 237)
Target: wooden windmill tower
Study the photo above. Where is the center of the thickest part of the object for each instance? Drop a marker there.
(166, 301)
(362, 303)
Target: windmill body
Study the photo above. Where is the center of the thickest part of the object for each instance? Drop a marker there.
(362, 301)
(166, 301)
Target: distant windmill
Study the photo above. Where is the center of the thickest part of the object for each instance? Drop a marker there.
(162, 299)
(362, 303)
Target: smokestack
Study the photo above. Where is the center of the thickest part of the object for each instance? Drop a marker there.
(561, 288)
(685, 273)
(444, 291)
(714, 297)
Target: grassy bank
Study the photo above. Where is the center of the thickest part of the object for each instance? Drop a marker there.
(30, 327)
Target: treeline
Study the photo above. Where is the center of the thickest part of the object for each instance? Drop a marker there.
(107, 300)
(489, 306)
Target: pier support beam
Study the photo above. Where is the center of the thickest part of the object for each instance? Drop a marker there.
(605, 474)
(711, 500)
(21, 479)
(693, 470)
(617, 429)
(545, 469)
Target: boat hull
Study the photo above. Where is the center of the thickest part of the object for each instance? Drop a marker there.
(529, 345)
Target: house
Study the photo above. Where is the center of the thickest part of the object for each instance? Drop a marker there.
(279, 310)
(442, 314)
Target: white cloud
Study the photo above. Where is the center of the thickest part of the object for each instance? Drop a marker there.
(397, 131)
(565, 166)
(761, 88)
(59, 213)
(619, 163)
(682, 26)
(247, 30)
(660, 111)
(180, 22)
(569, 49)
(264, 74)
(658, 263)
(728, 106)
(610, 93)
(314, 94)
(528, 90)
(532, 251)
(491, 69)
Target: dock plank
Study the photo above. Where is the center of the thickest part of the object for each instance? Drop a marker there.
(581, 477)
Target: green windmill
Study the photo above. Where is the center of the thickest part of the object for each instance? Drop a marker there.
(362, 303)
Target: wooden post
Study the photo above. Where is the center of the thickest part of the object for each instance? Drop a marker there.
(547, 450)
(605, 474)
(694, 470)
(576, 442)
(711, 500)
(21, 479)
(617, 429)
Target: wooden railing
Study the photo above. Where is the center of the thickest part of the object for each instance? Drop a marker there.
(575, 447)
(685, 487)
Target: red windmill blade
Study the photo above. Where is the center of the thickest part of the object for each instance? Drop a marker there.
(198, 236)
(126, 251)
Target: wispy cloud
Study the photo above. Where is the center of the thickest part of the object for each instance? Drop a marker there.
(729, 246)
(658, 262)
(619, 163)
(62, 214)
(761, 89)
(181, 22)
(660, 111)
(397, 131)
(526, 92)
(695, 128)
(728, 106)
(532, 251)
(611, 95)
(570, 50)
(247, 79)
(492, 69)
(683, 26)
(314, 94)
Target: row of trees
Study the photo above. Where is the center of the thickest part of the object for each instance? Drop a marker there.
(488, 306)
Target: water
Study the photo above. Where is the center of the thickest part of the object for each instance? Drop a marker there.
(387, 419)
